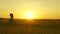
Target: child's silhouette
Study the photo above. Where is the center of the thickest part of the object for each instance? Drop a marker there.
(11, 18)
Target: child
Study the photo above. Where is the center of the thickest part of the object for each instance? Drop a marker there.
(11, 16)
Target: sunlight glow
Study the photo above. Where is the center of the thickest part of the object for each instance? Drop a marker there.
(29, 15)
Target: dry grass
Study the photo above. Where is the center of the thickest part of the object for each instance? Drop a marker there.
(21, 27)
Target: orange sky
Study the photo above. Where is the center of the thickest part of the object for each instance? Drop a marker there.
(42, 9)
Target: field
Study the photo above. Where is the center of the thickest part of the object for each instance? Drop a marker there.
(35, 26)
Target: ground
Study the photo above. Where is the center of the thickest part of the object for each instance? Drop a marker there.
(37, 26)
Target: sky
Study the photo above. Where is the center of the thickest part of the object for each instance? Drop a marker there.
(42, 9)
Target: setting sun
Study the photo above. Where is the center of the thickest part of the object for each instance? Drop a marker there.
(29, 15)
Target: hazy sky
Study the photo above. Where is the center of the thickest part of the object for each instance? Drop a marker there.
(49, 9)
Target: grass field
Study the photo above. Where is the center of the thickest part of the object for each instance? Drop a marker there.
(35, 26)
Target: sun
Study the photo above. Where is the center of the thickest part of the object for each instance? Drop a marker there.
(29, 15)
